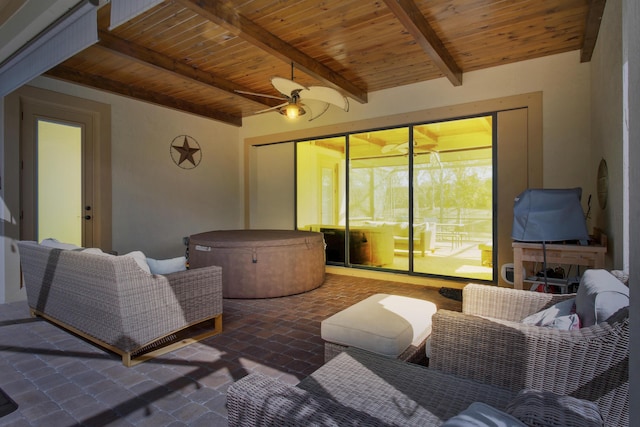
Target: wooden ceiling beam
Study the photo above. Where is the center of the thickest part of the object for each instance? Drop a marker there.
(592, 28)
(221, 14)
(165, 63)
(69, 74)
(414, 21)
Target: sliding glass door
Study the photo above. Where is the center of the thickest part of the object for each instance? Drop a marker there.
(415, 199)
(453, 198)
(378, 196)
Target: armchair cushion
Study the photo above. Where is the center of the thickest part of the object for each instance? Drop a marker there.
(480, 414)
(542, 408)
(600, 295)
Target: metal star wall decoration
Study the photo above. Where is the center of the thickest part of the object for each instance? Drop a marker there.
(186, 155)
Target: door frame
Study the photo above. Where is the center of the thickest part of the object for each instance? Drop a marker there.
(33, 113)
(98, 158)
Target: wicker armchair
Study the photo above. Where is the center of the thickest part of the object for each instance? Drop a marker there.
(487, 343)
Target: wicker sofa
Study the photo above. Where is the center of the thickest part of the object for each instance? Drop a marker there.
(113, 302)
(359, 388)
(489, 343)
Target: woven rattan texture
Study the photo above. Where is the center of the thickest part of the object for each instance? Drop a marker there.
(112, 300)
(367, 389)
(492, 347)
(541, 408)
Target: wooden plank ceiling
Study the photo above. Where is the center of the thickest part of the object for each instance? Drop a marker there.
(194, 55)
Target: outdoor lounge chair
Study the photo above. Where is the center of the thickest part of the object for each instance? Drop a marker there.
(488, 342)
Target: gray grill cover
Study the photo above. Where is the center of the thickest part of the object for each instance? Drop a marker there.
(548, 215)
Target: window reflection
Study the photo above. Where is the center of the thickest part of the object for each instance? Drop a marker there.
(416, 198)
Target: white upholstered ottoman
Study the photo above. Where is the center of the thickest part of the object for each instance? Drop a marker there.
(390, 325)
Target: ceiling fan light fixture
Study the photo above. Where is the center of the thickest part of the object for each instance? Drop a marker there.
(292, 111)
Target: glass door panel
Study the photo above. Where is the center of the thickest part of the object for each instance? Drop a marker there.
(320, 168)
(453, 198)
(59, 182)
(379, 198)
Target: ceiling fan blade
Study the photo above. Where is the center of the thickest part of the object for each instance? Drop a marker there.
(286, 86)
(266, 110)
(325, 94)
(260, 94)
(388, 148)
(324, 110)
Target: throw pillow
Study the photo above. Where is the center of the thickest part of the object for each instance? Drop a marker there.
(599, 296)
(141, 259)
(480, 414)
(167, 266)
(543, 408)
(565, 323)
(559, 316)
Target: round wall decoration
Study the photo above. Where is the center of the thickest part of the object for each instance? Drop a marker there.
(185, 152)
(603, 184)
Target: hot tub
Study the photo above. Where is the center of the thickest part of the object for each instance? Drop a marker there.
(261, 263)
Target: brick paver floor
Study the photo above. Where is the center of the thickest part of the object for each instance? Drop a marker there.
(59, 379)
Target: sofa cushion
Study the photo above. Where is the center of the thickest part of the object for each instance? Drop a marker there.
(401, 229)
(599, 296)
(560, 316)
(480, 414)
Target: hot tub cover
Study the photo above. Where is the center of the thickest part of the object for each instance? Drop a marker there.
(262, 263)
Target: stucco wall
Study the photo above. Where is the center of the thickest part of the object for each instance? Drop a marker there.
(606, 128)
(154, 202)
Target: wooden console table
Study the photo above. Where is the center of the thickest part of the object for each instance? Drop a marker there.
(590, 256)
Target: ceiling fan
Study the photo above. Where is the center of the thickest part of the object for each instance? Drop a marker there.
(403, 148)
(294, 93)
